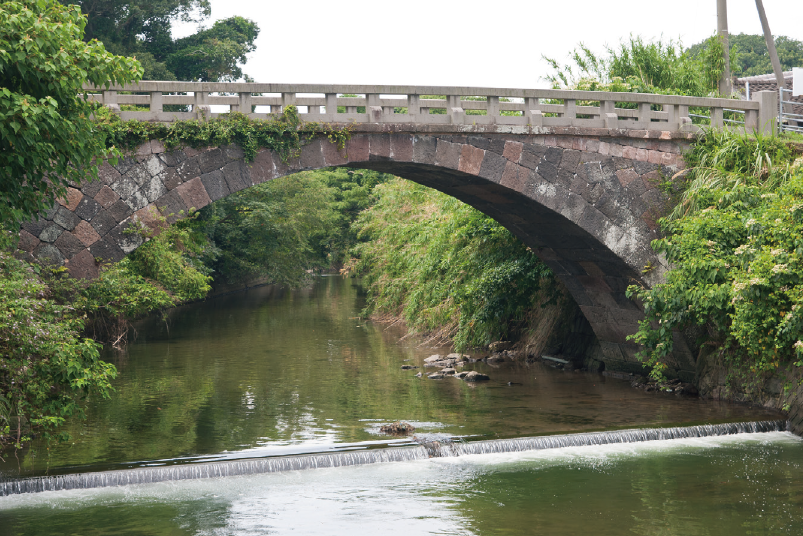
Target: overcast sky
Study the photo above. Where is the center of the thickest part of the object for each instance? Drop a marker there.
(492, 44)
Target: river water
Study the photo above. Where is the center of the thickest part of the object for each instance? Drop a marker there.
(272, 372)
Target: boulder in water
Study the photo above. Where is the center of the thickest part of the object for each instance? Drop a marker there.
(397, 428)
(435, 376)
(448, 371)
(408, 367)
(475, 376)
(433, 358)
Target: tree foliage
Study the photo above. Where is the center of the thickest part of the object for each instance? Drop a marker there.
(143, 28)
(640, 66)
(47, 138)
(441, 265)
(750, 57)
(736, 250)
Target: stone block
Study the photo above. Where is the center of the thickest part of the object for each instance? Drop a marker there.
(548, 171)
(66, 219)
(106, 197)
(554, 155)
(654, 157)
(331, 157)
(194, 194)
(91, 188)
(448, 154)
(626, 176)
(153, 189)
(86, 233)
(512, 151)
(154, 165)
(27, 241)
(137, 200)
(151, 219)
(357, 149)
(172, 206)
(237, 175)
(311, 156)
(471, 159)
(262, 168)
(48, 254)
(35, 227)
(104, 221)
(144, 149)
(210, 161)
(68, 244)
(570, 160)
(124, 165)
(125, 187)
(497, 145)
(531, 155)
(170, 179)
(215, 185)
(565, 142)
(71, 198)
(652, 179)
(379, 147)
(189, 169)
(87, 208)
(233, 152)
(126, 235)
(173, 158)
(401, 147)
(479, 142)
(138, 174)
(107, 174)
(157, 147)
(107, 250)
(424, 149)
(514, 177)
(83, 265)
(119, 211)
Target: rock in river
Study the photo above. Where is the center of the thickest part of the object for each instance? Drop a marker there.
(475, 376)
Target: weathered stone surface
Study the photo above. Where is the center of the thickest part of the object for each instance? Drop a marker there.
(71, 198)
(262, 168)
(173, 158)
(119, 211)
(35, 227)
(107, 174)
(124, 165)
(153, 189)
(104, 221)
(68, 220)
(215, 185)
(126, 235)
(91, 188)
(48, 254)
(471, 159)
(106, 197)
(138, 175)
(68, 244)
(493, 165)
(194, 194)
(83, 265)
(87, 208)
(172, 206)
(28, 242)
(137, 200)
(238, 176)
(86, 233)
(107, 250)
(211, 160)
(154, 165)
(447, 154)
(475, 376)
(51, 232)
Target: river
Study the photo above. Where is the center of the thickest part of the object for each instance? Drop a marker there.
(273, 372)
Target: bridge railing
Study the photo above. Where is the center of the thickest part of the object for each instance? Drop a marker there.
(438, 105)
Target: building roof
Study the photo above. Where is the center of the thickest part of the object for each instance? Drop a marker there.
(764, 77)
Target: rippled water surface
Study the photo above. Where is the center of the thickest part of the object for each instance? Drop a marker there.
(274, 372)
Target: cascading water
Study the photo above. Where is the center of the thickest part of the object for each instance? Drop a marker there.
(393, 454)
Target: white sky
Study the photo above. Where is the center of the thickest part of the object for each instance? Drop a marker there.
(446, 42)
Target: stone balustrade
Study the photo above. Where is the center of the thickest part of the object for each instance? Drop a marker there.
(519, 109)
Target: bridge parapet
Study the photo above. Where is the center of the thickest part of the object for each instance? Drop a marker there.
(530, 109)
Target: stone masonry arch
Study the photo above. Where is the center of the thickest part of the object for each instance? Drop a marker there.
(585, 203)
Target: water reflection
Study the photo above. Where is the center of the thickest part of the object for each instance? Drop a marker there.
(274, 371)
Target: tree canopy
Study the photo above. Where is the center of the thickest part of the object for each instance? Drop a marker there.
(750, 57)
(143, 28)
(47, 138)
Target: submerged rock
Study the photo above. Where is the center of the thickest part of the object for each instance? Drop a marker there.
(461, 375)
(435, 376)
(397, 428)
(418, 375)
(433, 358)
(475, 376)
(448, 371)
(408, 367)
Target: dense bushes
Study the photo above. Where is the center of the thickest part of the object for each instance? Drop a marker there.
(442, 266)
(735, 243)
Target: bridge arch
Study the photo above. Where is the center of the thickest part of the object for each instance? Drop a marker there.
(585, 204)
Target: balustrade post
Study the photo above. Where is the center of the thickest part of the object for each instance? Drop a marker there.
(717, 119)
(200, 107)
(644, 112)
(457, 116)
(413, 105)
(611, 120)
(751, 120)
(331, 103)
(535, 118)
(605, 108)
(768, 111)
(288, 99)
(109, 98)
(569, 108)
(156, 102)
(493, 107)
(243, 103)
(671, 115)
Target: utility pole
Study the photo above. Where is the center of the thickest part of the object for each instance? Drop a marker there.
(776, 63)
(725, 87)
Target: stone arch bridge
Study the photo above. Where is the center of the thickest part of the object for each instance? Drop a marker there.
(576, 178)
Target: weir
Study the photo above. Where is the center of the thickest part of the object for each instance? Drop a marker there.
(148, 475)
